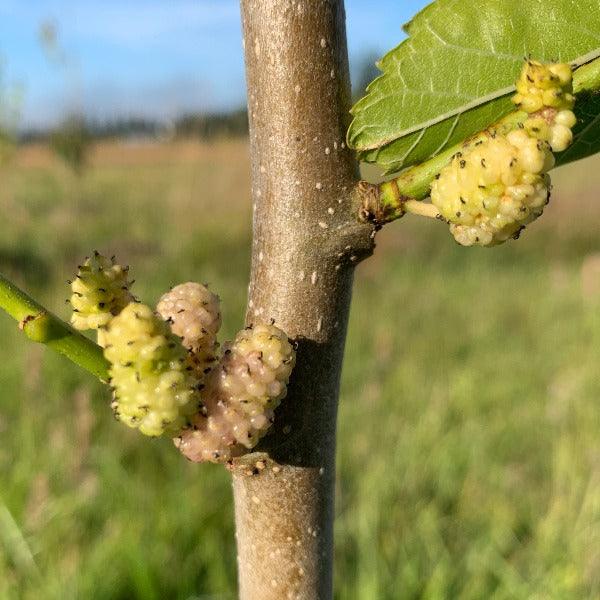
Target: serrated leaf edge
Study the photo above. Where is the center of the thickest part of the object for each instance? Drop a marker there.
(578, 62)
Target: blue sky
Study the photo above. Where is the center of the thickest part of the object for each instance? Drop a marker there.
(154, 58)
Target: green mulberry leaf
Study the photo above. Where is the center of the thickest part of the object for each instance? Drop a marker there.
(455, 74)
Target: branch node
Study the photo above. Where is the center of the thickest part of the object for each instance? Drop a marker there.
(36, 327)
(251, 464)
(380, 204)
(354, 243)
(23, 322)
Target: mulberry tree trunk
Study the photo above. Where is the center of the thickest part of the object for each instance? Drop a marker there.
(306, 244)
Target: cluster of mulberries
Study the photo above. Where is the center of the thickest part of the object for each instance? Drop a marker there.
(491, 191)
(100, 291)
(166, 374)
(240, 396)
(154, 389)
(194, 314)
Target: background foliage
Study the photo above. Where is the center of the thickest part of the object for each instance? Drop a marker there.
(469, 458)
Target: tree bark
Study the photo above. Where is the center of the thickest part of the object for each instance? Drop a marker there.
(307, 242)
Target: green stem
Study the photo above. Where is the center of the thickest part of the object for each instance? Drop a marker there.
(40, 325)
(586, 78)
(386, 201)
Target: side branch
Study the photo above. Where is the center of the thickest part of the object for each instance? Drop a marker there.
(40, 325)
(387, 201)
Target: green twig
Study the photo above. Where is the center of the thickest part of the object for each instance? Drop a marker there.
(386, 201)
(40, 325)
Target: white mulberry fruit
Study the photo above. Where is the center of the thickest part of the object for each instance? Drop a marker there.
(154, 387)
(488, 194)
(552, 127)
(546, 92)
(545, 85)
(100, 292)
(240, 396)
(194, 314)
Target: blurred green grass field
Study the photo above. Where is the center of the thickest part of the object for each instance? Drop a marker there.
(469, 433)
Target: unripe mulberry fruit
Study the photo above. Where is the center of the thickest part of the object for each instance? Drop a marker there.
(241, 395)
(545, 86)
(194, 314)
(100, 292)
(489, 193)
(552, 127)
(154, 388)
(220, 432)
(546, 92)
(256, 367)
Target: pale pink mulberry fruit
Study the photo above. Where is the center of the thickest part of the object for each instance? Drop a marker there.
(240, 396)
(194, 314)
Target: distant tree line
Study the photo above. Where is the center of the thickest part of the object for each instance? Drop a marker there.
(205, 126)
(212, 125)
(76, 131)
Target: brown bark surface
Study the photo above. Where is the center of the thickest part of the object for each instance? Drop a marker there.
(306, 243)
